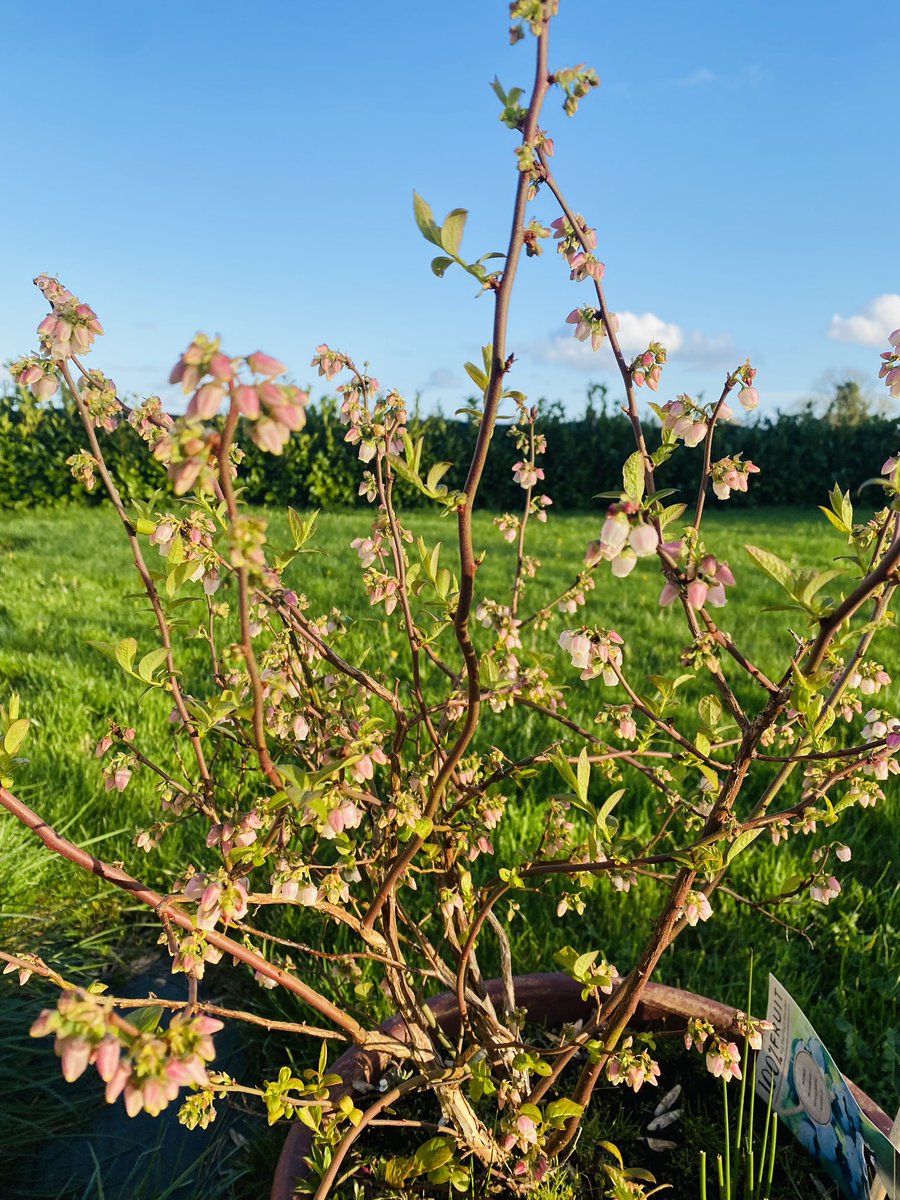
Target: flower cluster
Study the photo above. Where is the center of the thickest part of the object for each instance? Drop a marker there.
(696, 908)
(149, 1068)
(594, 652)
(220, 898)
(150, 420)
(526, 474)
(647, 367)
(625, 537)
(38, 374)
(723, 1058)
(102, 402)
(532, 234)
(731, 475)
(572, 243)
(70, 327)
(868, 678)
(631, 1067)
(706, 584)
(752, 1028)
(274, 411)
(688, 421)
(589, 323)
(189, 453)
(890, 365)
(83, 466)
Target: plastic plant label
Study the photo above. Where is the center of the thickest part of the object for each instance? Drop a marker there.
(811, 1098)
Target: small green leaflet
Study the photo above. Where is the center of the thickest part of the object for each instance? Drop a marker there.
(741, 842)
(633, 477)
(773, 566)
(15, 735)
(452, 231)
(425, 220)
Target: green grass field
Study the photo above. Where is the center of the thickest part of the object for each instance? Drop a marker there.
(64, 581)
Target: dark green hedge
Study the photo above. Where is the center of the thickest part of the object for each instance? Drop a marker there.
(800, 455)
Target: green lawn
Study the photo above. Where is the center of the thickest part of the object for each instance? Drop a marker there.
(64, 582)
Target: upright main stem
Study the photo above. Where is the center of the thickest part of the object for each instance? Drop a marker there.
(467, 563)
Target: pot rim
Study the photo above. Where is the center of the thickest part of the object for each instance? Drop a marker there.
(550, 997)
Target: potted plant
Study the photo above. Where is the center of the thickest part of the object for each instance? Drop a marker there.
(368, 792)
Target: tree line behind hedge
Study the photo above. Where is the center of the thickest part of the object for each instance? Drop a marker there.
(800, 454)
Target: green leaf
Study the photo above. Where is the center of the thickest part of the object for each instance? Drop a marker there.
(836, 521)
(633, 477)
(435, 475)
(452, 230)
(440, 264)
(583, 963)
(301, 530)
(125, 652)
(489, 670)
(612, 1149)
(423, 827)
(176, 552)
(15, 735)
(710, 711)
(146, 1019)
(434, 1153)
(741, 842)
(425, 220)
(671, 513)
(608, 805)
(565, 958)
(400, 467)
(583, 776)
(773, 566)
(149, 663)
(562, 1110)
(477, 376)
(563, 768)
(397, 1171)
(815, 583)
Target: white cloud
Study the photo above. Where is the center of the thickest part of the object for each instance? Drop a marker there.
(442, 377)
(637, 330)
(748, 76)
(700, 76)
(566, 350)
(709, 350)
(871, 327)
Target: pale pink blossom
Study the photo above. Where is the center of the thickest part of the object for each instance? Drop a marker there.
(264, 364)
(748, 398)
(824, 890)
(624, 563)
(696, 908)
(643, 539)
(724, 1060)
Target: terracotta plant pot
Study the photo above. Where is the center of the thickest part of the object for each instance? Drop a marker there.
(548, 999)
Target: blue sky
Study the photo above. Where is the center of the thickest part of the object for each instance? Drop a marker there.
(248, 170)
